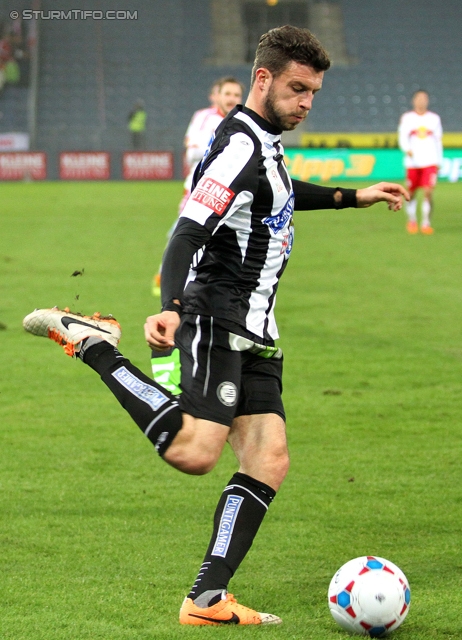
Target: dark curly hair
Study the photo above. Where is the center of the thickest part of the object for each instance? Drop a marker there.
(281, 46)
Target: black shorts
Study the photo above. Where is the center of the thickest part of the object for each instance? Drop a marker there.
(218, 383)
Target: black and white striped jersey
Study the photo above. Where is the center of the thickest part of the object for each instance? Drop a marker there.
(238, 223)
(243, 196)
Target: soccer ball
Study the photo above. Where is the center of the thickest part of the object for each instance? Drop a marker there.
(369, 596)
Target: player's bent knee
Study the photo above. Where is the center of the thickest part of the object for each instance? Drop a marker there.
(278, 459)
(195, 465)
(281, 466)
(197, 446)
(271, 469)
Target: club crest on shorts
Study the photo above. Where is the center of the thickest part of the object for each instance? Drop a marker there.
(227, 394)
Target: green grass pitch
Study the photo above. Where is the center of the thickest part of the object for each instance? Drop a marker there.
(100, 540)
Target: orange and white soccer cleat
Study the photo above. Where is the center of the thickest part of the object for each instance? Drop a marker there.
(70, 329)
(226, 611)
(412, 227)
(427, 230)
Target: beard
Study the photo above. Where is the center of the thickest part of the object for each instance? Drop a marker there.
(275, 115)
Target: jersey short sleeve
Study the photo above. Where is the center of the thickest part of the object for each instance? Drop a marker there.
(216, 197)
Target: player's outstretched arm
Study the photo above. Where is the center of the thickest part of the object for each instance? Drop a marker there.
(382, 192)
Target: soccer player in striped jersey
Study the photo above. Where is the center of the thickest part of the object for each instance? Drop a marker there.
(221, 273)
(420, 136)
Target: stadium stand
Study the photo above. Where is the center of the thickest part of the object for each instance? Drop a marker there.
(92, 71)
(399, 47)
(13, 96)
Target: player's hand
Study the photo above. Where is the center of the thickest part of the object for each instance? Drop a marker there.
(159, 330)
(388, 192)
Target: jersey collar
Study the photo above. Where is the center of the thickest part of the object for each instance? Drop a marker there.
(262, 123)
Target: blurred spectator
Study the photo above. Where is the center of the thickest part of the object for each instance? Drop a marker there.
(5, 55)
(6, 47)
(14, 54)
(137, 125)
(12, 71)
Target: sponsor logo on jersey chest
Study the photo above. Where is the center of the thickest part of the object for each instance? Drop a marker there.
(280, 220)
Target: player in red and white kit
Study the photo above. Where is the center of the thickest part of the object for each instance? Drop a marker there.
(196, 122)
(420, 137)
(225, 94)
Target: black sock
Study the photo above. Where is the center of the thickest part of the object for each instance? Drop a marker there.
(154, 409)
(239, 514)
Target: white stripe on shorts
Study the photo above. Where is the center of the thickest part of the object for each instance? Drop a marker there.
(195, 344)
(207, 377)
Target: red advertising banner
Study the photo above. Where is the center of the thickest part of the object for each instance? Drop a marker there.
(147, 165)
(23, 166)
(84, 165)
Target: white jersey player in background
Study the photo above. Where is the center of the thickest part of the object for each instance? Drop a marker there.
(420, 137)
(224, 95)
(196, 123)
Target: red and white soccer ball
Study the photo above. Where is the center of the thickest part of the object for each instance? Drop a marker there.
(369, 596)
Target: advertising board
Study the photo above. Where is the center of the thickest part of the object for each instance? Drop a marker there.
(374, 165)
(84, 165)
(23, 166)
(147, 165)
